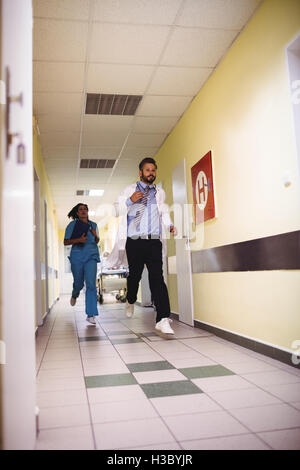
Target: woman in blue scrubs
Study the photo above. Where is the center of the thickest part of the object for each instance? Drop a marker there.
(84, 258)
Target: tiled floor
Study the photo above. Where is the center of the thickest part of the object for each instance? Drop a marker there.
(120, 386)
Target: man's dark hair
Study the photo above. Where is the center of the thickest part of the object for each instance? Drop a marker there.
(73, 212)
(147, 160)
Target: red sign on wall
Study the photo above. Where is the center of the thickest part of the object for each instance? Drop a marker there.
(203, 189)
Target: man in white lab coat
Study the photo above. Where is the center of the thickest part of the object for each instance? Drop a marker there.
(142, 240)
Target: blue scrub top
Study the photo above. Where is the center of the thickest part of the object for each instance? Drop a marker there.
(88, 250)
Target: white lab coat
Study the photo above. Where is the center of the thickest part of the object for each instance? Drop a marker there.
(118, 256)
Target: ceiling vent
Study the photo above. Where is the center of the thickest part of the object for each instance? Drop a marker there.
(117, 105)
(96, 163)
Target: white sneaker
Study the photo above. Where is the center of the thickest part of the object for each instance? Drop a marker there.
(91, 320)
(129, 309)
(164, 326)
(72, 301)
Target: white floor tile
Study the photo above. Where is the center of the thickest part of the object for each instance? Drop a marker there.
(158, 376)
(204, 425)
(232, 399)
(125, 434)
(276, 377)
(227, 382)
(61, 398)
(243, 442)
(184, 404)
(122, 411)
(115, 394)
(64, 416)
(286, 392)
(268, 418)
(76, 438)
(49, 384)
(288, 439)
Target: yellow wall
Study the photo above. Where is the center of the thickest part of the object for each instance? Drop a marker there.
(45, 195)
(243, 114)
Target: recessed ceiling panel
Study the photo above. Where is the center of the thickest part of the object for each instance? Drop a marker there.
(58, 76)
(163, 105)
(137, 11)
(197, 47)
(178, 80)
(138, 152)
(59, 138)
(100, 123)
(60, 152)
(225, 14)
(115, 78)
(154, 124)
(59, 40)
(146, 140)
(59, 122)
(105, 138)
(127, 44)
(58, 103)
(64, 9)
(100, 152)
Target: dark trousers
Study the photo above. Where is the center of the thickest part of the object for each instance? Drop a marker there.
(142, 252)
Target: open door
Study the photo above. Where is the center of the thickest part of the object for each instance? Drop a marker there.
(17, 235)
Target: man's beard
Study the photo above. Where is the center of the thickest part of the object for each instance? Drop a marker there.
(148, 179)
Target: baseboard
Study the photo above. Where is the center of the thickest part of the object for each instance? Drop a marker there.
(262, 348)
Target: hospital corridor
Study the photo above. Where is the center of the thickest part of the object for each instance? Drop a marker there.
(120, 386)
(150, 228)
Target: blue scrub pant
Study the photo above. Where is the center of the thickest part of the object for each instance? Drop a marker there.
(86, 271)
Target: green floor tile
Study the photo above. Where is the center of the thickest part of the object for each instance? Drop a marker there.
(168, 389)
(126, 340)
(206, 371)
(92, 338)
(147, 366)
(109, 380)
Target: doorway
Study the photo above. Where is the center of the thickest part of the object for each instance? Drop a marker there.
(183, 251)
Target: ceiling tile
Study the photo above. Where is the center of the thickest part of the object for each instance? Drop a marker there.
(127, 44)
(118, 79)
(197, 47)
(60, 164)
(59, 138)
(163, 105)
(105, 138)
(64, 9)
(103, 123)
(59, 40)
(128, 163)
(50, 103)
(137, 11)
(178, 81)
(138, 152)
(100, 152)
(59, 122)
(58, 76)
(226, 14)
(60, 152)
(154, 124)
(146, 140)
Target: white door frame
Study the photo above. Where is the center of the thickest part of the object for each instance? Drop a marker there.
(183, 252)
(18, 393)
(46, 264)
(37, 251)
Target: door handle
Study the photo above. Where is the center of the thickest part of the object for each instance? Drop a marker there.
(9, 100)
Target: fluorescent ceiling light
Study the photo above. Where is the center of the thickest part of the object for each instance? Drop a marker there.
(96, 192)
